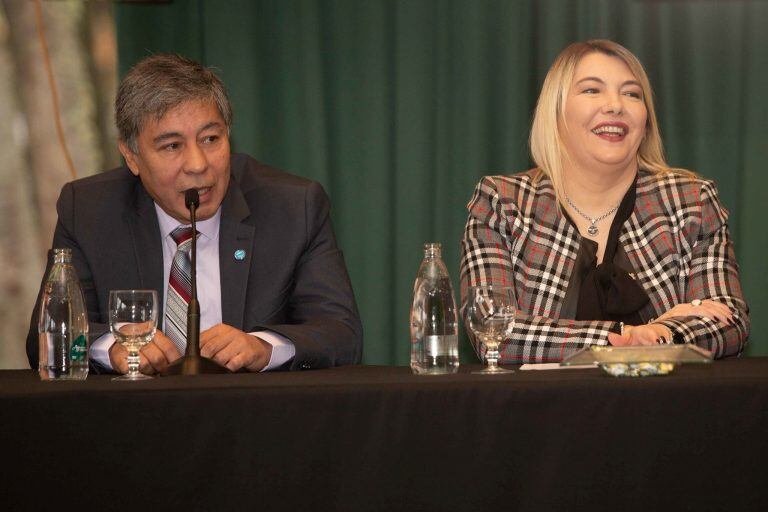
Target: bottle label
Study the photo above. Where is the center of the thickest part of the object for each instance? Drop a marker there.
(437, 346)
(78, 353)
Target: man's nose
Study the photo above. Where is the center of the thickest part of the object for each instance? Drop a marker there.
(196, 160)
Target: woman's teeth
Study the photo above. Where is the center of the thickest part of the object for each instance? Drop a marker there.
(616, 130)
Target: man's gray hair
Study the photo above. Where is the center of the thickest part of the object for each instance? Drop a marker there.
(160, 83)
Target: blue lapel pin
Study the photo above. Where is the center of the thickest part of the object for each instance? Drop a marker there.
(239, 255)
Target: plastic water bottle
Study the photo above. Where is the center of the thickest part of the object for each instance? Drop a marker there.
(434, 319)
(63, 323)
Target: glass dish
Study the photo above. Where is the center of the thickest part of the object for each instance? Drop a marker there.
(639, 361)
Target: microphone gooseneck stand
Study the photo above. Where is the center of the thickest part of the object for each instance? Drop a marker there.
(192, 363)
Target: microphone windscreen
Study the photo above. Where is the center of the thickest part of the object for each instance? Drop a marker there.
(191, 197)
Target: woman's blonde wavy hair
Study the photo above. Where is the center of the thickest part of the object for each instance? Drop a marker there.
(547, 146)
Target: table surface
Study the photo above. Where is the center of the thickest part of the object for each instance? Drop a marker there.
(380, 438)
(753, 369)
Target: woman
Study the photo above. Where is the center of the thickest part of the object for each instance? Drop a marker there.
(603, 242)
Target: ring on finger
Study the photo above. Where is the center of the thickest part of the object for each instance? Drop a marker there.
(696, 302)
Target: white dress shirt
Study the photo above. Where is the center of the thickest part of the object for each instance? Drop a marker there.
(208, 288)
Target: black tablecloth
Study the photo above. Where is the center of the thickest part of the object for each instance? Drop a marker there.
(379, 438)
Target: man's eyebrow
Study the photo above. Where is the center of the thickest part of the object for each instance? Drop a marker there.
(166, 136)
(600, 80)
(212, 124)
(172, 135)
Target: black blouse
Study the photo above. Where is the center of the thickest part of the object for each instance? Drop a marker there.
(607, 291)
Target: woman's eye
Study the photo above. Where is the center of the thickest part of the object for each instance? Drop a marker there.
(633, 94)
(590, 90)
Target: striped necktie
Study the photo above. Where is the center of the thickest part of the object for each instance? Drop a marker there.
(179, 288)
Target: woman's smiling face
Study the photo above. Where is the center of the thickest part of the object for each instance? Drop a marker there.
(604, 115)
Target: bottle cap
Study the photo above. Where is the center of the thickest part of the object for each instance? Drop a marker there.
(432, 249)
(62, 255)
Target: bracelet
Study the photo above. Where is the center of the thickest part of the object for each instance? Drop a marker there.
(621, 328)
(664, 340)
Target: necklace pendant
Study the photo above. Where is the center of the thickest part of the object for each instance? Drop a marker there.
(592, 230)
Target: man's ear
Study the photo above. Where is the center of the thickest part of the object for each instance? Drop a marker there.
(130, 157)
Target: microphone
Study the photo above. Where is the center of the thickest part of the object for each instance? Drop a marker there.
(192, 363)
(192, 201)
(191, 198)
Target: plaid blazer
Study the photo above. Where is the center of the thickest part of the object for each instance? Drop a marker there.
(676, 240)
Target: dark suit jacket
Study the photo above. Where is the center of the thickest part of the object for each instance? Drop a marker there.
(292, 281)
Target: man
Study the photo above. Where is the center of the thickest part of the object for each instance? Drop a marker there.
(272, 284)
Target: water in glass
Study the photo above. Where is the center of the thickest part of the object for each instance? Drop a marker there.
(133, 321)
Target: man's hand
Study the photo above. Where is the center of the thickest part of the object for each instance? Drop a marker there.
(234, 349)
(155, 355)
(648, 334)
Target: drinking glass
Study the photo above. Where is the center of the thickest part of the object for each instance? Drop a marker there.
(133, 321)
(491, 317)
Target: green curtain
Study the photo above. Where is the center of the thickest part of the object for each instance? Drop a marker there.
(399, 107)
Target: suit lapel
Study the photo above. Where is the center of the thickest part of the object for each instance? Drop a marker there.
(235, 253)
(147, 246)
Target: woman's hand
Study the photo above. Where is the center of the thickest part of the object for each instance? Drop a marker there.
(647, 334)
(653, 333)
(701, 309)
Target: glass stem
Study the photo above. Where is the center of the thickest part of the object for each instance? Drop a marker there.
(133, 363)
(493, 357)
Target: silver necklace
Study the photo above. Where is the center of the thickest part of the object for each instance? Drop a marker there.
(592, 229)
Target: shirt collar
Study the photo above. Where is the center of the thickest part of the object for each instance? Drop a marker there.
(208, 228)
